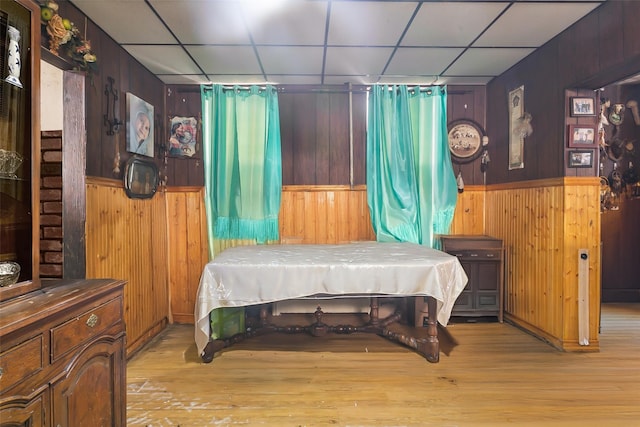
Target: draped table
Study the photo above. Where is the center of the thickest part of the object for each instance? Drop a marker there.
(250, 275)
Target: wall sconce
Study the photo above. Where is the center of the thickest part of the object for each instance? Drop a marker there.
(111, 120)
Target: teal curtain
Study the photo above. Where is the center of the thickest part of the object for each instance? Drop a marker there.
(242, 162)
(411, 187)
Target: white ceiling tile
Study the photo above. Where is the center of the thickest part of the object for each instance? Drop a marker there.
(163, 59)
(223, 37)
(364, 23)
(204, 21)
(291, 59)
(183, 79)
(533, 24)
(450, 24)
(353, 79)
(486, 61)
(292, 79)
(408, 80)
(356, 60)
(226, 59)
(291, 23)
(130, 27)
(227, 79)
(467, 80)
(421, 61)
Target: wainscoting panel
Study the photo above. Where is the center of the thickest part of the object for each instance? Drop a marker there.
(469, 215)
(127, 239)
(188, 248)
(543, 225)
(324, 214)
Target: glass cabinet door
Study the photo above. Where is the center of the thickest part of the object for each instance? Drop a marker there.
(19, 145)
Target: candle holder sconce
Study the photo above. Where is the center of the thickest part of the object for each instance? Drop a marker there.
(111, 119)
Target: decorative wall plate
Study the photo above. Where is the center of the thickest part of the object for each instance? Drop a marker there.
(465, 140)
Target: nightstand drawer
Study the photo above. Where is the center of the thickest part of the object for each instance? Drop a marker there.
(83, 328)
(478, 254)
(20, 362)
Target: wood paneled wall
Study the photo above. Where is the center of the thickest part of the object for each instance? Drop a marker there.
(127, 239)
(324, 214)
(308, 214)
(469, 215)
(316, 135)
(543, 225)
(188, 248)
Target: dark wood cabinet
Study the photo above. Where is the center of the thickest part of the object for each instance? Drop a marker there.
(482, 258)
(62, 355)
(20, 143)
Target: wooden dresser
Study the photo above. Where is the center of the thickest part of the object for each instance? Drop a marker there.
(482, 258)
(62, 355)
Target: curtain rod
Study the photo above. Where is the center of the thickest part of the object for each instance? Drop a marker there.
(303, 89)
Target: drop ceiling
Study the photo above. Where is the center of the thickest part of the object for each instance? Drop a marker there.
(331, 41)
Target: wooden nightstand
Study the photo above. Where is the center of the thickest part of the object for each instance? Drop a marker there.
(482, 258)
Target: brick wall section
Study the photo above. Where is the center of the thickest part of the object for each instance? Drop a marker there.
(51, 233)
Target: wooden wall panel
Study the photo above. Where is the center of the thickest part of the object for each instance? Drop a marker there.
(188, 248)
(468, 102)
(324, 214)
(315, 133)
(126, 239)
(581, 230)
(469, 215)
(543, 224)
(183, 101)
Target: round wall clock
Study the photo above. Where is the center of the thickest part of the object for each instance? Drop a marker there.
(465, 140)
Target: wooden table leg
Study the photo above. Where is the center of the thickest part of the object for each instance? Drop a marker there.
(432, 345)
(374, 312)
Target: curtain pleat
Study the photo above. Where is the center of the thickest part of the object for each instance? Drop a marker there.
(242, 162)
(411, 187)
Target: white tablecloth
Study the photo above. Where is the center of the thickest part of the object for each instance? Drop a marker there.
(248, 275)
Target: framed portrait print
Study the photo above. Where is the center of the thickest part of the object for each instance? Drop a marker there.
(183, 136)
(465, 140)
(139, 126)
(583, 106)
(582, 136)
(580, 158)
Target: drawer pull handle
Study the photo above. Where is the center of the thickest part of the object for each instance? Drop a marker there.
(490, 255)
(92, 321)
(474, 254)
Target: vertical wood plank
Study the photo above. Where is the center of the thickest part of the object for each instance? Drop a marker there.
(126, 239)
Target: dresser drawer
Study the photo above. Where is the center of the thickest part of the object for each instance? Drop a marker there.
(83, 328)
(20, 362)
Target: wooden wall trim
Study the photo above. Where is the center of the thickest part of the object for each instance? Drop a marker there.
(184, 189)
(104, 182)
(547, 182)
(322, 188)
(74, 146)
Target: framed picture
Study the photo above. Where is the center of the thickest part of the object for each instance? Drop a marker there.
(139, 126)
(582, 136)
(516, 140)
(465, 140)
(580, 158)
(183, 136)
(583, 106)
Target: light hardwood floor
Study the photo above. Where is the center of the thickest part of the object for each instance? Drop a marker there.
(495, 375)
